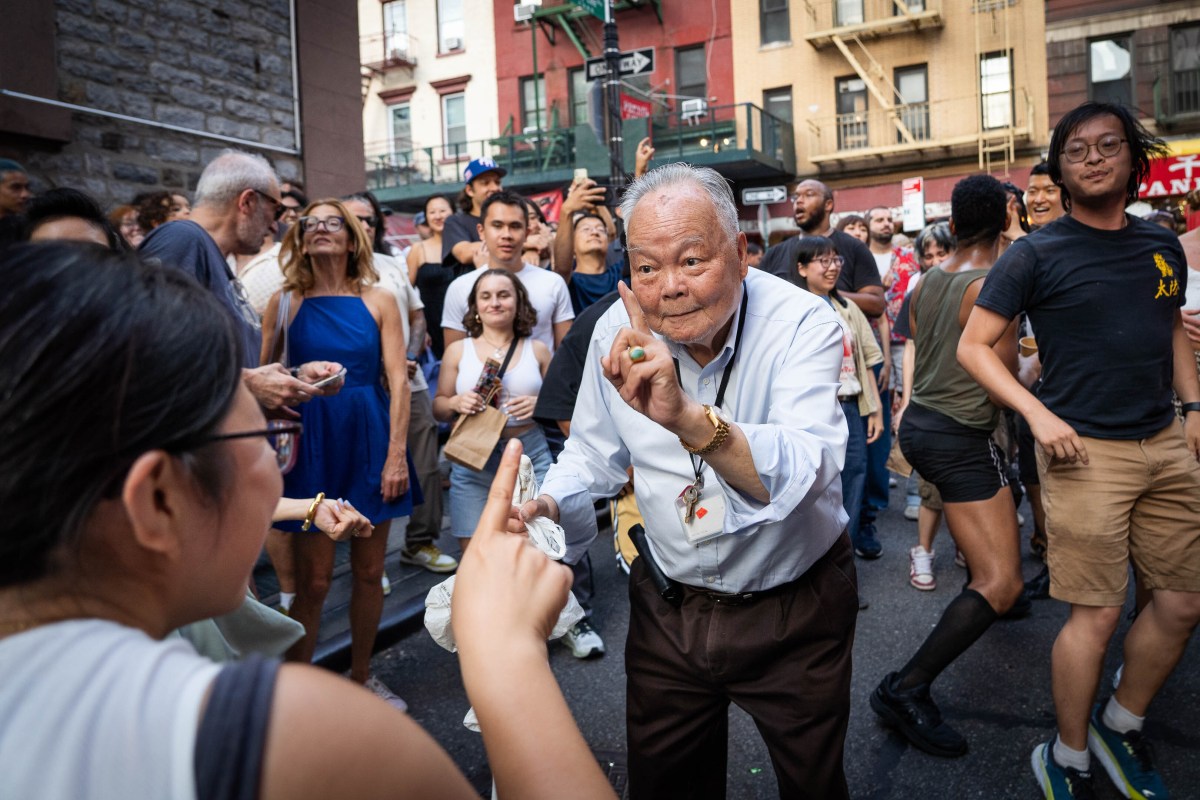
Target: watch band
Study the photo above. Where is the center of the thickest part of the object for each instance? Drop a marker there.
(718, 438)
(1186, 407)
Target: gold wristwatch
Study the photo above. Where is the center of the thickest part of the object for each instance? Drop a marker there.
(722, 431)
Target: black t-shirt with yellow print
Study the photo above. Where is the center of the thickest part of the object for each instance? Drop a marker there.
(1102, 305)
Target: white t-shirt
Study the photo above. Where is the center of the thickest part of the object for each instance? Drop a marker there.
(93, 709)
(883, 262)
(393, 276)
(262, 277)
(547, 293)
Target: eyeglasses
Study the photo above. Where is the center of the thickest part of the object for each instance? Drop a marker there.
(283, 436)
(331, 224)
(368, 222)
(828, 262)
(279, 209)
(1077, 150)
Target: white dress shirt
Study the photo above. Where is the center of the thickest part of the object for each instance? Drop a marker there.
(782, 394)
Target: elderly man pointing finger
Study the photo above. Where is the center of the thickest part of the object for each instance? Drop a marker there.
(718, 385)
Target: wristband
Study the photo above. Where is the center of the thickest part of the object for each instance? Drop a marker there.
(1186, 407)
(312, 511)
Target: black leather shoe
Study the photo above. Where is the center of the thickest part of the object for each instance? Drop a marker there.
(1020, 609)
(915, 716)
(1038, 587)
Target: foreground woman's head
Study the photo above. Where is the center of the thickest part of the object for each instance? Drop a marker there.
(117, 377)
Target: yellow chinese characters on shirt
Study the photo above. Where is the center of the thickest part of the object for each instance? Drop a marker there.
(1168, 284)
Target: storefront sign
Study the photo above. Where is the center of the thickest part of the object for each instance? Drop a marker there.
(1170, 177)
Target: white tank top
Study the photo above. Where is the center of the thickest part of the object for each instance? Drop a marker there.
(521, 378)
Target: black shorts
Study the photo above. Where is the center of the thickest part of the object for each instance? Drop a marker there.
(1026, 455)
(963, 463)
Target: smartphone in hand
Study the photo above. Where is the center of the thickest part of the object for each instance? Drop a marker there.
(334, 378)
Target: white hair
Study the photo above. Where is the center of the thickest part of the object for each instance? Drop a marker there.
(230, 174)
(711, 181)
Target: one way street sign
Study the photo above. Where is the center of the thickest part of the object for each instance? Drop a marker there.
(764, 194)
(633, 62)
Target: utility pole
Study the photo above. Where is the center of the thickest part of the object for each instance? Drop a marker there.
(612, 102)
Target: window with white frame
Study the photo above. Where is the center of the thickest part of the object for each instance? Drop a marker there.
(401, 127)
(995, 86)
(452, 27)
(395, 30)
(454, 121)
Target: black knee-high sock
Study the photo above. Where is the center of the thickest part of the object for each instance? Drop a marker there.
(963, 621)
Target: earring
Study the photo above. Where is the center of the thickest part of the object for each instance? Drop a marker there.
(477, 318)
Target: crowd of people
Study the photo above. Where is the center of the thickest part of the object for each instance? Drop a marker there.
(751, 409)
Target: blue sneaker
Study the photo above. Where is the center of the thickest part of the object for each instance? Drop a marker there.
(1058, 782)
(865, 544)
(1127, 758)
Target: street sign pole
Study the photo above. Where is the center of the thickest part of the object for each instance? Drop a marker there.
(612, 103)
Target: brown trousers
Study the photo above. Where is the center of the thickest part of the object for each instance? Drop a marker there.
(783, 658)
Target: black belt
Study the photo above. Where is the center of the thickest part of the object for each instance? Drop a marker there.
(746, 598)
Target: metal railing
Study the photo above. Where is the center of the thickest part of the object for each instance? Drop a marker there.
(741, 126)
(522, 154)
(942, 121)
(1185, 92)
(389, 48)
(824, 15)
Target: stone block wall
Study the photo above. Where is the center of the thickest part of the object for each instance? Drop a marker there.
(218, 66)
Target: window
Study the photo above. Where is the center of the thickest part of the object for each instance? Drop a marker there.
(533, 100)
(777, 103)
(691, 78)
(454, 122)
(1185, 70)
(1110, 70)
(912, 100)
(914, 7)
(401, 127)
(395, 30)
(451, 26)
(848, 12)
(851, 113)
(579, 97)
(995, 85)
(773, 23)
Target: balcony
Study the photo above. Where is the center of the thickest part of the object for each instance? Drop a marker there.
(740, 141)
(867, 19)
(937, 127)
(1179, 100)
(389, 50)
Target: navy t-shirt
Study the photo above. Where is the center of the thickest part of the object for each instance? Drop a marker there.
(1103, 306)
(560, 387)
(186, 246)
(858, 272)
(460, 227)
(587, 288)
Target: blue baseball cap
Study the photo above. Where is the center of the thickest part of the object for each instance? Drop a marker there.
(480, 166)
(419, 218)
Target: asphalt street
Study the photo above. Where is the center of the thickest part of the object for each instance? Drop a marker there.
(997, 694)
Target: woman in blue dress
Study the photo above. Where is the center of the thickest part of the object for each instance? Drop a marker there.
(353, 445)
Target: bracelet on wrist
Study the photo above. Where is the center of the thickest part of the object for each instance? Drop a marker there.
(1186, 407)
(312, 511)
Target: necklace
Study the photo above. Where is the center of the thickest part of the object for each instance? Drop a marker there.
(499, 348)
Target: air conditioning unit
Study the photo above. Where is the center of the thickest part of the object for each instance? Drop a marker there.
(398, 54)
(452, 44)
(692, 110)
(523, 12)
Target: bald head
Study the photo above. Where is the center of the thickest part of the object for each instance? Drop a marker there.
(812, 203)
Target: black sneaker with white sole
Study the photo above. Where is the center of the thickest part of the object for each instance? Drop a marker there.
(916, 717)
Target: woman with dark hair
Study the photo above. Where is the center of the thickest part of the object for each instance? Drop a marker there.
(355, 443)
(154, 209)
(143, 510)
(539, 237)
(499, 321)
(428, 274)
(66, 214)
(854, 225)
(819, 266)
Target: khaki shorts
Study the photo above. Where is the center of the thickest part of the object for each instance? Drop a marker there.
(1135, 499)
(930, 497)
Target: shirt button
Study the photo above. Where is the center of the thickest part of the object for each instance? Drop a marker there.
(710, 579)
(706, 381)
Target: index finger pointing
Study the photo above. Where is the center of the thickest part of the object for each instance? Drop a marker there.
(637, 320)
(500, 497)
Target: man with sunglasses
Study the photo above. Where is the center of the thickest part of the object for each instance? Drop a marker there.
(237, 205)
(1120, 478)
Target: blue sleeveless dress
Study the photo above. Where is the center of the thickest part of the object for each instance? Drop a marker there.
(345, 440)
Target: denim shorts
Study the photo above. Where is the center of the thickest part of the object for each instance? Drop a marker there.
(469, 489)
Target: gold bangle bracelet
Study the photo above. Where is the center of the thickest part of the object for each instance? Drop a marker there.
(312, 511)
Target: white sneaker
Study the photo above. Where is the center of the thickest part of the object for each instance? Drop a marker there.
(429, 557)
(583, 640)
(387, 585)
(959, 559)
(377, 687)
(892, 482)
(912, 513)
(920, 569)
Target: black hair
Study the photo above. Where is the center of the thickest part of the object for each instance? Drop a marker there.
(809, 248)
(102, 358)
(65, 202)
(1143, 146)
(846, 220)
(978, 208)
(1040, 168)
(503, 197)
(379, 243)
(430, 199)
(753, 248)
(530, 205)
(295, 195)
(1019, 198)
